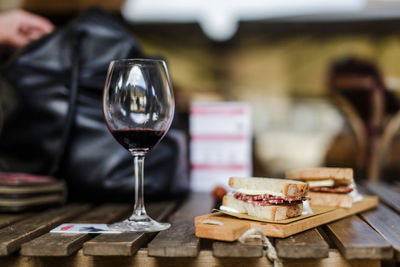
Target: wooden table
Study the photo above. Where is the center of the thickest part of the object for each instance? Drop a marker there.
(366, 239)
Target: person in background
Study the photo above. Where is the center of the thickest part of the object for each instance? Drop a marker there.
(373, 114)
(19, 27)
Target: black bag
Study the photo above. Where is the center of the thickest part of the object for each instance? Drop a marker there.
(56, 126)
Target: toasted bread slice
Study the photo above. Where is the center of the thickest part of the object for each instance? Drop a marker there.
(272, 212)
(343, 176)
(330, 199)
(280, 186)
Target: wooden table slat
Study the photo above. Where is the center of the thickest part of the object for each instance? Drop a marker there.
(251, 249)
(307, 245)
(387, 223)
(12, 236)
(387, 193)
(66, 244)
(196, 204)
(357, 240)
(179, 240)
(7, 219)
(127, 244)
(205, 258)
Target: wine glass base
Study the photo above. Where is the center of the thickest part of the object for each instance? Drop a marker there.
(141, 224)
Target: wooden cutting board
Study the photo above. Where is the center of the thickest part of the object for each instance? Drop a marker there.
(232, 228)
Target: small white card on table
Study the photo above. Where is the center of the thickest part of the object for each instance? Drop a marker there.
(83, 228)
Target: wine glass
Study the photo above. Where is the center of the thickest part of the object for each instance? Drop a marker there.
(138, 106)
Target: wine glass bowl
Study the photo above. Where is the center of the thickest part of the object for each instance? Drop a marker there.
(138, 107)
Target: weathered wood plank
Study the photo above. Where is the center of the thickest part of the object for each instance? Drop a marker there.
(307, 245)
(387, 223)
(11, 237)
(7, 219)
(387, 194)
(179, 240)
(334, 259)
(357, 240)
(115, 244)
(195, 205)
(251, 249)
(204, 259)
(65, 244)
(128, 243)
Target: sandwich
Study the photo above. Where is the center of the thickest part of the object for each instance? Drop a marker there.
(328, 186)
(266, 198)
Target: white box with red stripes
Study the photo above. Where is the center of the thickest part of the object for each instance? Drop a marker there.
(220, 143)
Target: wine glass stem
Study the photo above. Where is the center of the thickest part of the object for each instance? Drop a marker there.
(138, 162)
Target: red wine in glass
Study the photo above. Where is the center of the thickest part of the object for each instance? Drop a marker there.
(137, 139)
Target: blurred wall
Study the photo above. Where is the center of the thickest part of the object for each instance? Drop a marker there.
(282, 73)
(278, 67)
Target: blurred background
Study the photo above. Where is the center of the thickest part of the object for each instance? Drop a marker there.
(275, 56)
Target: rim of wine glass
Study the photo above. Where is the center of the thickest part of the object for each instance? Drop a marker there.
(130, 61)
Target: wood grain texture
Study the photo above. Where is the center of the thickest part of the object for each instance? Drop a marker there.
(387, 223)
(230, 229)
(11, 237)
(7, 219)
(126, 244)
(307, 245)
(251, 249)
(388, 194)
(179, 240)
(204, 259)
(357, 240)
(195, 205)
(65, 244)
(335, 259)
(218, 232)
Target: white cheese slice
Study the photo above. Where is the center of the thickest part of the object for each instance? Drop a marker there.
(254, 192)
(320, 183)
(229, 209)
(357, 197)
(306, 208)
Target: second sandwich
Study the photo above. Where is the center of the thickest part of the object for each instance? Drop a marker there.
(328, 186)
